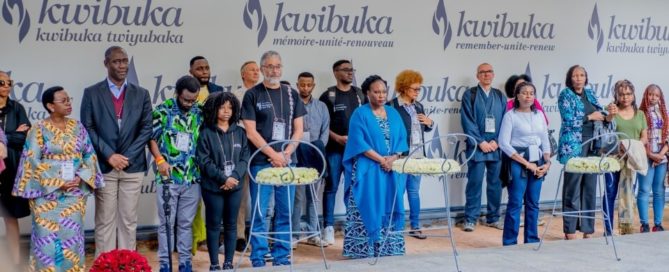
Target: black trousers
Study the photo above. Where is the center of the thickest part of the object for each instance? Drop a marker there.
(221, 206)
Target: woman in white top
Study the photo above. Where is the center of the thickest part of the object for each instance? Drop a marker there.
(523, 137)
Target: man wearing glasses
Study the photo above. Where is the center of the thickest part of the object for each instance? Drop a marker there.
(272, 112)
(117, 116)
(481, 116)
(341, 100)
(176, 126)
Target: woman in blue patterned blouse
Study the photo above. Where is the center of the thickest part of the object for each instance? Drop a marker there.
(579, 111)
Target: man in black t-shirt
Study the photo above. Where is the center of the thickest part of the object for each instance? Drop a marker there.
(341, 100)
(272, 112)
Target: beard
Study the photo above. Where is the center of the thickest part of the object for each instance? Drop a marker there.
(346, 81)
(203, 80)
(274, 80)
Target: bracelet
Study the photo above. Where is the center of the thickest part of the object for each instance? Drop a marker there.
(160, 161)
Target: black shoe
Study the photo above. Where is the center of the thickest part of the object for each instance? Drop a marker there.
(241, 244)
(417, 234)
(214, 268)
(228, 266)
(658, 228)
(645, 228)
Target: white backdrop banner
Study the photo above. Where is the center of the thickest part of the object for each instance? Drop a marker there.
(58, 42)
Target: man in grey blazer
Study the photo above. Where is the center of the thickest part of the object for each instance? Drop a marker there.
(117, 116)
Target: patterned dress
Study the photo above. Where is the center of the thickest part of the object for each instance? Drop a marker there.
(57, 240)
(356, 243)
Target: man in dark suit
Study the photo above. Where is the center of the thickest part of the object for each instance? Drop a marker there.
(199, 68)
(117, 116)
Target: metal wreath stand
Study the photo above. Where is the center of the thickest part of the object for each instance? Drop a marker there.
(451, 140)
(603, 169)
(256, 205)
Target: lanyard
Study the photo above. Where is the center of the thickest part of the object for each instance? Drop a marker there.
(232, 148)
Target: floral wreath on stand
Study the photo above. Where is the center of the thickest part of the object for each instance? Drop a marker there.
(120, 260)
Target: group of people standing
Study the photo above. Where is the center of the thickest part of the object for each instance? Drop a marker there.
(202, 138)
(519, 128)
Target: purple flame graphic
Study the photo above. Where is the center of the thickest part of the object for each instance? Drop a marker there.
(528, 72)
(435, 150)
(440, 17)
(595, 29)
(253, 6)
(24, 17)
(132, 72)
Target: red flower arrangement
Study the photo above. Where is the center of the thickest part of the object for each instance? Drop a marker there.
(121, 260)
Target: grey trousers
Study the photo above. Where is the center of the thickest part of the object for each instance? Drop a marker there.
(304, 201)
(183, 206)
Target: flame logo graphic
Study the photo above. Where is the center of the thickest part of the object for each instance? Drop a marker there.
(435, 150)
(528, 72)
(439, 19)
(132, 72)
(253, 6)
(24, 17)
(595, 29)
(354, 81)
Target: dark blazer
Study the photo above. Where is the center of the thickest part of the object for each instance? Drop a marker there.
(406, 118)
(214, 88)
(15, 115)
(209, 156)
(99, 118)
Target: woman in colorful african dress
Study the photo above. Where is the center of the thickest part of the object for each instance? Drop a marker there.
(57, 172)
(370, 183)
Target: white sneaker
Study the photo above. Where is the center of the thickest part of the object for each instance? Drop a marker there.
(221, 249)
(328, 235)
(316, 241)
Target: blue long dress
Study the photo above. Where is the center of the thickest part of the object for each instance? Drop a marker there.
(369, 190)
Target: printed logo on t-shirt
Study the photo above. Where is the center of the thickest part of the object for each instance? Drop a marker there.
(340, 107)
(263, 105)
(237, 146)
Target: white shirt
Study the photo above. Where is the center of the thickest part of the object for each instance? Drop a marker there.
(523, 129)
(116, 91)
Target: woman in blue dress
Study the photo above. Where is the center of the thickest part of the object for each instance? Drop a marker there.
(370, 184)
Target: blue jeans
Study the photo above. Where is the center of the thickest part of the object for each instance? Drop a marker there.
(283, 196)
(412, 188)
(475, 185)
(654, 180)
(332, 181)
(608, 203)
(521, 188)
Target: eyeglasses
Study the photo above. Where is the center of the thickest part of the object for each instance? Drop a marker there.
(415, 89)
(8, 83)
(273, 67)
(346, 70)
(486, 72)
(64, 101)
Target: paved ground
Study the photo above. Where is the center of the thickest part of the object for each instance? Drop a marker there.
(482, 250)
